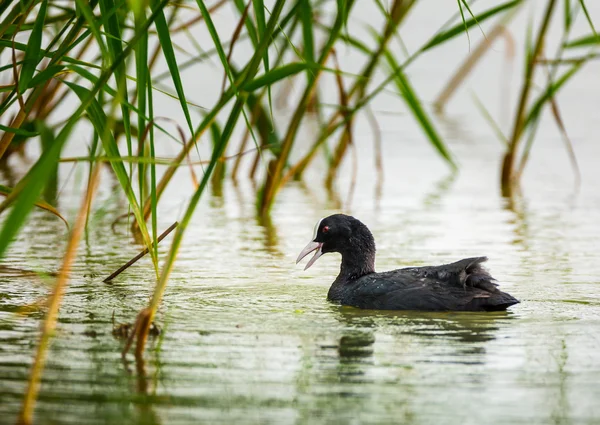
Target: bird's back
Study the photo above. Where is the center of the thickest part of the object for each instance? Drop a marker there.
(464, 285)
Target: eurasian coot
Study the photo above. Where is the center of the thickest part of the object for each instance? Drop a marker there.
(461, 286)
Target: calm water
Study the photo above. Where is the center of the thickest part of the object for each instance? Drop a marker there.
(248, 337)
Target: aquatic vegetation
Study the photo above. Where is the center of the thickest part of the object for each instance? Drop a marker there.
(103, 54)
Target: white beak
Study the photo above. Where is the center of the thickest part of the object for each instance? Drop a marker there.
(312, 246)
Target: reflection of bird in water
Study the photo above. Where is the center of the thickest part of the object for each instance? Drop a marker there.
(356, 344)
(353, 356)
(465, 331)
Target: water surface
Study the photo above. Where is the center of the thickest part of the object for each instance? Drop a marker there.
(250, 338)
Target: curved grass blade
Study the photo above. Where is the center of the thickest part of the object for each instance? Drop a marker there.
(6, 191)
(19, 131)
(462, 16)
(549, 93)
(463, 26)
(32, 53)
(42, 77)
(221, 52)
(28, 190)
(586, 41)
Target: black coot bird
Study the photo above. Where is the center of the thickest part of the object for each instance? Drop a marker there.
(461, 286)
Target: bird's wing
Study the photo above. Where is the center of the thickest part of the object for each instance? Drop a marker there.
(468, 272)
(413, 290)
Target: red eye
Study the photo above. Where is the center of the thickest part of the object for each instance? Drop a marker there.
(325, 229)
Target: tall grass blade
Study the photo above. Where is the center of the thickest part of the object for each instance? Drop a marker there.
(162, 29)
(589, 19)
(143, 85)
(307, 31)
(567, 12)
(259, 13)
(415, 107)
(32, 53)
(216, 40)
(216, 155)
(86, 11)
(98, 119)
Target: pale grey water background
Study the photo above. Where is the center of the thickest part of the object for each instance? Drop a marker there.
(250, 338)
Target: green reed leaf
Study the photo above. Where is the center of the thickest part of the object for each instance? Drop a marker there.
(32, 52)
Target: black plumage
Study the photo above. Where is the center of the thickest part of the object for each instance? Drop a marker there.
(461, 286)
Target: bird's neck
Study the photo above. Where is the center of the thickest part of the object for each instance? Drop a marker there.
(354, 266)
(357, 263)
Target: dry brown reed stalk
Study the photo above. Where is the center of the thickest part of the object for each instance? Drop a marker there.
(568, 143)
(158, 48)
(138, 333)
(234, 39)
(378, 152)
(346, 137)
(49, 325)
(508, 177)
(168, 174)
(376, 142)
(27, 106)
(469, 64)
(15, 66)
(275, 177)
(198, 18)
(140, 255)
(554, 109)
(238, 160)
(398, 11)
(46, 106)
